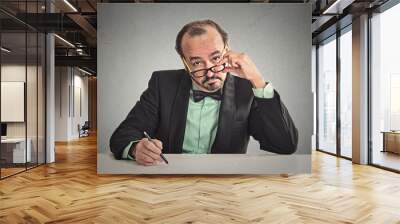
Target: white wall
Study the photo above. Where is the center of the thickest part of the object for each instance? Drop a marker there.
(80, 83)
(61, 103)
(69, 82)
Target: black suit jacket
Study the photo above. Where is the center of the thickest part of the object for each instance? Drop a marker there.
(162, 109)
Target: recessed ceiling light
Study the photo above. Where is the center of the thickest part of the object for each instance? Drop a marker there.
(337, 7)
(64, 40)
(84, 71)
(5, 49)
(70, 5)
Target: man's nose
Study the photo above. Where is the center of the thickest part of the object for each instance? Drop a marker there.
(210, 73)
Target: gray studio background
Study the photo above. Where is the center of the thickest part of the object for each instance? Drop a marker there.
(136, 39)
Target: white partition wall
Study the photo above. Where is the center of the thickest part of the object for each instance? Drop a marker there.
(12, 98)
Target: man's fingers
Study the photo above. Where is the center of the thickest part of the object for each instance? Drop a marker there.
(223, 61)
(148, 158)
(233, 62)
(234, 59)
(144, 163)
(150, 145)
(158, 143)
(233, 68)
(230, 69)
(148, 152)
(145, 160)
(152, 155)
(229, 53)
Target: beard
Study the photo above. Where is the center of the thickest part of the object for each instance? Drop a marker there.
(211, 87)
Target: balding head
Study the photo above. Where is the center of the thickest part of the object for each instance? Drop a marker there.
(197, 28)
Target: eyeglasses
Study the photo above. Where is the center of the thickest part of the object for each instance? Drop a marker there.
(203, 72)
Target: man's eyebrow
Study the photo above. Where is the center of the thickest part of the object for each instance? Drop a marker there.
(213, 53)
(194, 58)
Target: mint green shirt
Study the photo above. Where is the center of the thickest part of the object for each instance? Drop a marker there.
(202, 122)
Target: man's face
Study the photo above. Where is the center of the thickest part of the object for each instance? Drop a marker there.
(204, 51)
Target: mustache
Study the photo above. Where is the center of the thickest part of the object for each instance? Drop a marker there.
(210, 78)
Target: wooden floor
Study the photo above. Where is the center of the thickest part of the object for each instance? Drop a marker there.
(70, 191)
(5, 172)
(387, 159)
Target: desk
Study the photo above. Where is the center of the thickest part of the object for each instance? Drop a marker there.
(210, 164)
(391, 141)
(13, 150)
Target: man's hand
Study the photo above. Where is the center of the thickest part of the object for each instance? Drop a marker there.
(241, 65)
(148, 152)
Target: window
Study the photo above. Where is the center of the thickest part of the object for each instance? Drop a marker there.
(346, 93)
(327, 95)
(385, 88)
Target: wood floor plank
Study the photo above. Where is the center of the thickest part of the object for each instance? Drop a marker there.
(70, 191)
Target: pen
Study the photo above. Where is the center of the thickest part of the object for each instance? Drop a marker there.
(148, 137)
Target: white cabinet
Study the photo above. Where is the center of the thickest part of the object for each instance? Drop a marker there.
(18, 149)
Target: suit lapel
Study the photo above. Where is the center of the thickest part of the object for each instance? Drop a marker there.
(179, 114)
(226, 117)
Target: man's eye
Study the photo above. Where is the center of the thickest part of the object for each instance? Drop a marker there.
(196, 63)
(216, 58)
